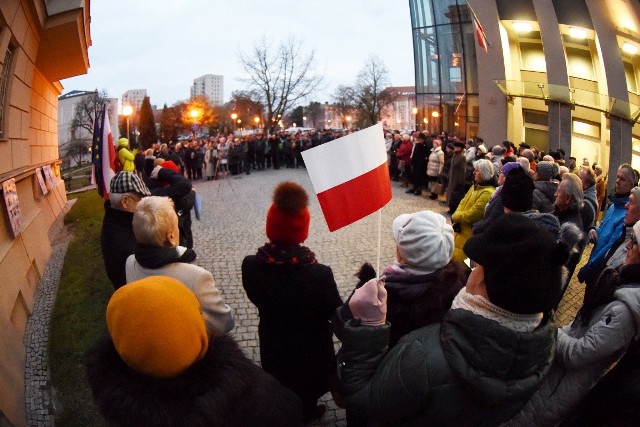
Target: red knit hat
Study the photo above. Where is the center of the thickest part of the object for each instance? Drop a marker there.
(288, 217)
(169, 164)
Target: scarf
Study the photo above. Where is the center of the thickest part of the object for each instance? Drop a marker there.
(153, 257)
(483, 307)
(281, 255)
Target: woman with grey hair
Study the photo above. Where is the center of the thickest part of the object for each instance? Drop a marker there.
(471, 208)
(157, 253)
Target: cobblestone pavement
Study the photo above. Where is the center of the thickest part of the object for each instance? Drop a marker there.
(233, 226)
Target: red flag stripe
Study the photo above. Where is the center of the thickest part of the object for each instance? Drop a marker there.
(354, 199)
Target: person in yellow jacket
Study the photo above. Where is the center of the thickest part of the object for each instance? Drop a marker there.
(471, 208)
(125, 156)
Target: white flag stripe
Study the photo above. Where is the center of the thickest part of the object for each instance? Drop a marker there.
(345, 158)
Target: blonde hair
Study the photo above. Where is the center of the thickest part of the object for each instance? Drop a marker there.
(153, 219)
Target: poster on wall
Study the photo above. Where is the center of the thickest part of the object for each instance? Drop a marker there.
(49, 177)
(13, 205)
(41, 183)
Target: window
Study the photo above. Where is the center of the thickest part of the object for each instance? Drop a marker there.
(532, 57)
(632, 83)
(580, 64)
(5, 77)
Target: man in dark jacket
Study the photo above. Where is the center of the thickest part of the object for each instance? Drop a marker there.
(455, 188)
(546, 186)
(486, 358)
(116, 237)
(166, 181)
(419, 159)
(159, 367)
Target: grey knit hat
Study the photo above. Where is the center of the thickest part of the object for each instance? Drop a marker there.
(547, 170)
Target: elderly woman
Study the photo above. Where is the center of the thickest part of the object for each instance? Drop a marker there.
(471, 208)
(155, 225)
(605, 326)
(296, 297)
(435, 166)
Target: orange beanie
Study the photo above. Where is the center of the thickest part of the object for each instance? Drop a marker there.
(157, 327)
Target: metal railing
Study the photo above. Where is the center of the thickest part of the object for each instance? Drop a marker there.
(571, 96)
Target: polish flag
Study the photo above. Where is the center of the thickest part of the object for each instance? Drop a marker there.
(103, 155)
(480, 34)
(350, 176)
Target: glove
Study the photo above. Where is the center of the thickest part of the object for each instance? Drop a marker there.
(457, 228)
(155, 172)
(369, 303)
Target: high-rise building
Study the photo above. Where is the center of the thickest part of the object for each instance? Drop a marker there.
(554, 74)
(43, 42)
(210, 86)
(134, 97)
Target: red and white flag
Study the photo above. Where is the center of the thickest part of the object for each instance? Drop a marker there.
(350, 176)
(103, 155)
(480, 34)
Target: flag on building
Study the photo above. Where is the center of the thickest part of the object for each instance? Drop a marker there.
(350, 176)
(480, 34)
(103, 154)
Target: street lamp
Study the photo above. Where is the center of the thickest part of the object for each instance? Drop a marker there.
(194, 113)
(127, 111)
(257, 121)
(348, 122)
(234, 116)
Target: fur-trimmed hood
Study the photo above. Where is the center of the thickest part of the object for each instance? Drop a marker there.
(223, 389)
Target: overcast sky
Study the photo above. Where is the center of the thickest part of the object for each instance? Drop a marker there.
(162, 45)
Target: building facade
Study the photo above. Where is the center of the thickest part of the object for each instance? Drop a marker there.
(67, 105)
(555, 74)
(401, 114)
(41, 43)
(211, 86)
(134, 98)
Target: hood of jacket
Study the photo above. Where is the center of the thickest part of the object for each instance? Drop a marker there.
(496, 365)
(548, 188)
(630, 296)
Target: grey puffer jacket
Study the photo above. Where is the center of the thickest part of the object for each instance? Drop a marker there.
(584, 354)
(466, 370)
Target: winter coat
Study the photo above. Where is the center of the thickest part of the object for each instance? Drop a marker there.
(470, 210)
(404, 151)
(608, 232)
(218, 316)
(224, 388)
(584, 353)
(465, 371)
(571, 215)
(414, 301)
(436, 162)
(590, 208)
(601, 193)
(544, 195)
(295, 304)
(419, 159)
(126, 159)
(117, 242)
(456, 178)
(492, 211)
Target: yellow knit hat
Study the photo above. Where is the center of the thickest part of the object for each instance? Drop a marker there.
(157, 327)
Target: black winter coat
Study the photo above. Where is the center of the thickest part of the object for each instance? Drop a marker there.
(117, 242)
(295, 304)
(223, 389)
(544, 195)
(420, 300)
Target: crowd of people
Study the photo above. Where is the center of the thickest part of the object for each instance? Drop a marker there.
(458, 330)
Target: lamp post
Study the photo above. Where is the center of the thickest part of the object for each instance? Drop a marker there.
(257, 121)
(127, 111)
(415, 117)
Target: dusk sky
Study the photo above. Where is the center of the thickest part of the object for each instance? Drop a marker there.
(162, 45)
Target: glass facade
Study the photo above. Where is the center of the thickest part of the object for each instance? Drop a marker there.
(445, 67)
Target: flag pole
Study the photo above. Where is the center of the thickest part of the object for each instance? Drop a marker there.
(379, 241)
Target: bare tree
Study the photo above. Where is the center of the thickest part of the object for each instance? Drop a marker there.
(370, 91)
(315, 114)
(76, 149)
(86, 111)
(344, 102)
(282, 76)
